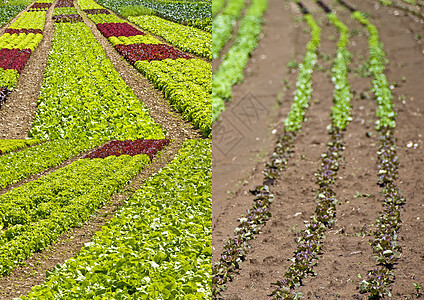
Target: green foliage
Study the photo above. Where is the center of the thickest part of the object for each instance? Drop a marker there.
(37, 213)
(341, 110)
(158, 246)
(303, 93)
(30, 20)
(13, 145)
(217, 5)
(134, 11)
(16, 166)
(8, 12)
(88, 4)
(136, 39)
(231, 69)
(9, 78)
(103, 18)
(187, 86)
(65, 11)
(20, 41)
(204, 24)
(83, 95)
(223, 25)
(186, 38)
(177, 11)
(381, 87)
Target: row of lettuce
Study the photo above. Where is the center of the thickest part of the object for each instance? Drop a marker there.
(231, 69)
(158, 245)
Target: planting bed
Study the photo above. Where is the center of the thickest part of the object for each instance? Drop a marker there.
(317, 196)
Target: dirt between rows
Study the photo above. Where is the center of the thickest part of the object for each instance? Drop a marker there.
(347, 252)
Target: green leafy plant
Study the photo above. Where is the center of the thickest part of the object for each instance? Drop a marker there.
(188, 39)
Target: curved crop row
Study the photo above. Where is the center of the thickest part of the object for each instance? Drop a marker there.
(184, 81)
(13, 145)
(186, 38)
(37, 213)
(30, 20)
(230, 71)
(223, 25)
(158, 246)
(235, 248)
(20, 41)
(16, 166)
(309, 241)
(83, 95)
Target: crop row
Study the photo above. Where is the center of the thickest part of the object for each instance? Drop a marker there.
(104, 18)
(235, 248)
(185, 82)
(7, 146)
(37, 213)
(223, 25)
(157, 246)
(129, 147)
(135, 39)
(83, 95)
(231, 70)
(20, 41)
(19, 165)
(310, 240)
(186, 38)
(191, 13)
(30, 20)
(385, 244)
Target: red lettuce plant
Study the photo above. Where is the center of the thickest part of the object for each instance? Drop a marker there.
(96, 11)
(26, 31)
(129, 147)
(118, 29)
(149, 52)
(40, 6)
(64, 3)
(14, 58)
(72, 18)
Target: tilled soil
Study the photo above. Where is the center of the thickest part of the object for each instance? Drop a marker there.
(346, 251)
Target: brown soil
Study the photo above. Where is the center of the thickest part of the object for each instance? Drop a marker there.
(33, 272)
(346, 249)
(17, 113)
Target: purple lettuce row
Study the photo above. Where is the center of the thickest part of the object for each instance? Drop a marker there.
(118, 29)
(14, 58)
(235, 249)
(129, 147)
(43, 6)
(26, 31)
(71, 18)
(4, 93)
(385, 244)
(96, 11)
(65, 3)
(309, 241)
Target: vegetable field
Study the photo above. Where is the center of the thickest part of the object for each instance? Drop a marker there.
(105, 150)
(318, 149)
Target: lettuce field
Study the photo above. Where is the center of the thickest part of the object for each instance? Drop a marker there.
(105, 149)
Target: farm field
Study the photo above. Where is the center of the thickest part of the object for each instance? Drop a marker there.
(318, 150)
(105, 150)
